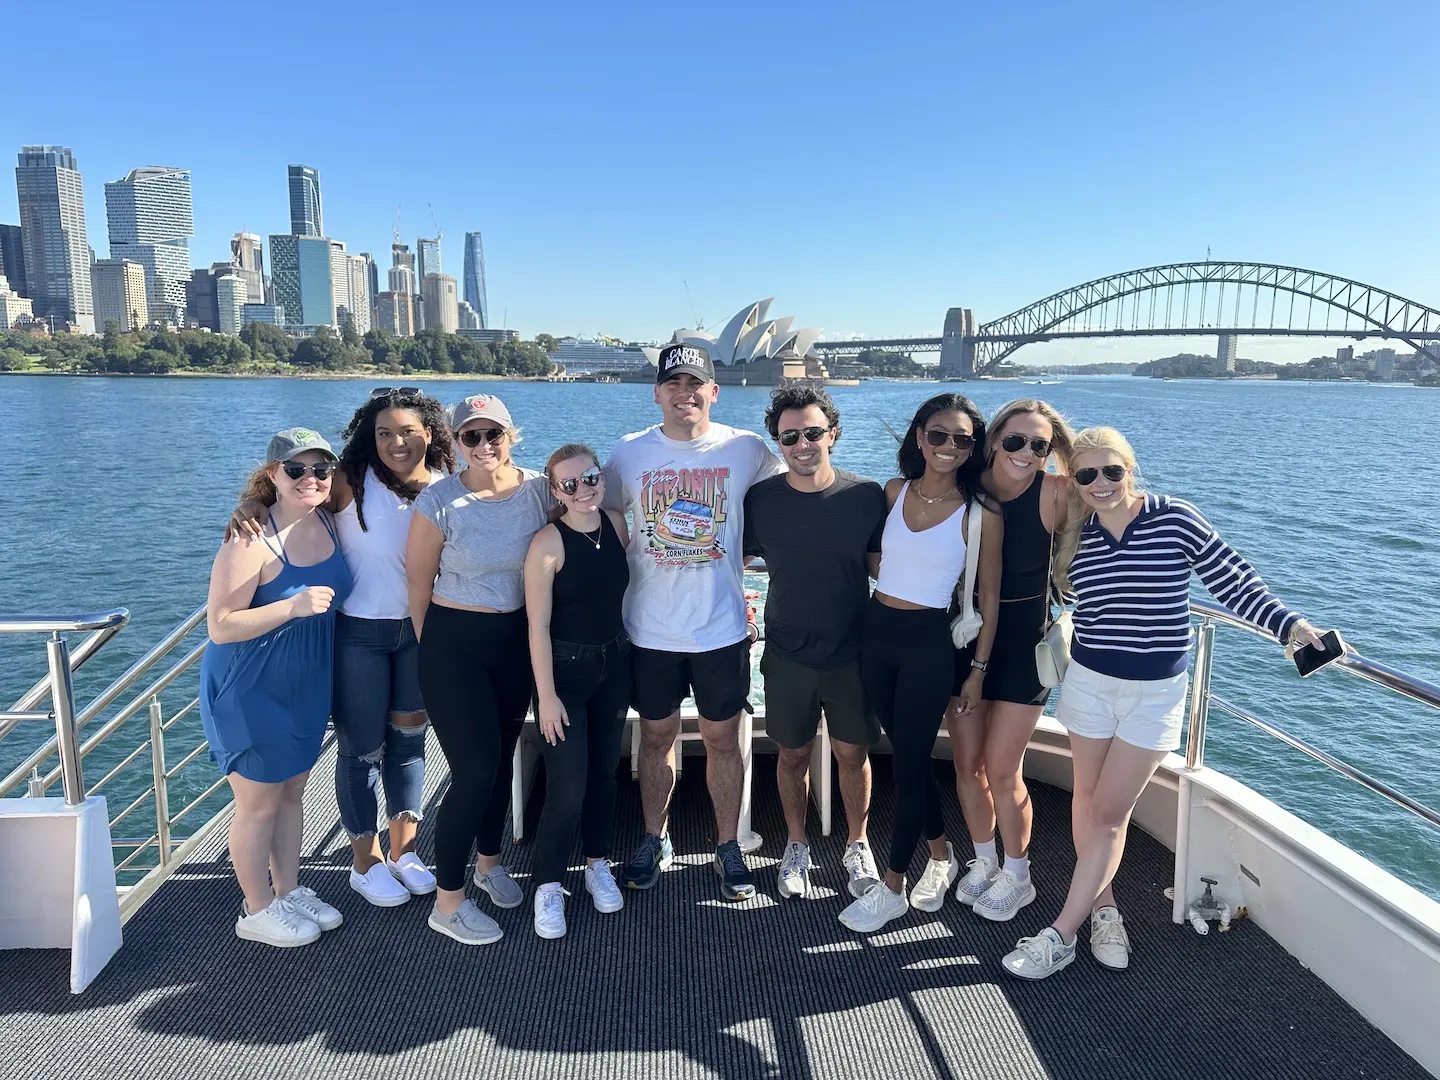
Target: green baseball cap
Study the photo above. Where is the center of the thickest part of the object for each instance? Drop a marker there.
(296, 440)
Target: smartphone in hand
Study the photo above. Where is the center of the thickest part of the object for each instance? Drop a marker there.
(1309, 659)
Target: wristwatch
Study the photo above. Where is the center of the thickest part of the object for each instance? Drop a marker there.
(981, 666)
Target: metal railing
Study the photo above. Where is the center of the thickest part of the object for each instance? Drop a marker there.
(74, 740)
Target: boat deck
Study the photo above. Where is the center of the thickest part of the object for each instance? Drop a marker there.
(680, 984)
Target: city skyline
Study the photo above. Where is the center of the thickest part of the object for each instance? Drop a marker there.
(907, 171)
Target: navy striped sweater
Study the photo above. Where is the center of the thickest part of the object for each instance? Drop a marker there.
(1132, 615)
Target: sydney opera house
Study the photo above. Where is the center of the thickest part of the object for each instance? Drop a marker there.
(756, 349)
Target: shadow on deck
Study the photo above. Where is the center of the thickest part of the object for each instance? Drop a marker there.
(680, 983)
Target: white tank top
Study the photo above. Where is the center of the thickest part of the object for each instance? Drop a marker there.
(921, 567)
(376, 554)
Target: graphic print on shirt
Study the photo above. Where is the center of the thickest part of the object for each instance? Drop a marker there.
(684, 512)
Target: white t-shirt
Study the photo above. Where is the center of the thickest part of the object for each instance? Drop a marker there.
(686, 503)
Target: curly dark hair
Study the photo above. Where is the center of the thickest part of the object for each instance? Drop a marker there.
(911, 460)
(360, 454)
(799, 395)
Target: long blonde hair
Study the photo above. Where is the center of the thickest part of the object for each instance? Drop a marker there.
(1062, 435)
(1068, 543)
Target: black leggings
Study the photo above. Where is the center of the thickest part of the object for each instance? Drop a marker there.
(593, 683)
(907, 662)
(475, 678)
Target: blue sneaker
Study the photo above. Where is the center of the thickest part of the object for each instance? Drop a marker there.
(654, 854)
(736, 881)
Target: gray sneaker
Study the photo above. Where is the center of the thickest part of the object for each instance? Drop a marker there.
(500, 887)
(468, 925)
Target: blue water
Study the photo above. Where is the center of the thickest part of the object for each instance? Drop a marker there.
(124, 485)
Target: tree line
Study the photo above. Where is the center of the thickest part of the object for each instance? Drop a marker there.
(261, 348)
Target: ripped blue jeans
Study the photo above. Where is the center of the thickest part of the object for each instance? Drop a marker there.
(376, 674)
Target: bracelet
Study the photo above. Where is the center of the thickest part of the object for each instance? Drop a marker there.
(981, 666)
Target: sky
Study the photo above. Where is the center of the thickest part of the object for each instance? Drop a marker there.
(869, 166)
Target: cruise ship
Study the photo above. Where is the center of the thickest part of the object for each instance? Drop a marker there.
(1263, 948)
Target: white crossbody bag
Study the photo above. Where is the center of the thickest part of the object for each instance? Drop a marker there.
(965, 627)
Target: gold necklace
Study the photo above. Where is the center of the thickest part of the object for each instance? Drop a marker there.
(938, 498)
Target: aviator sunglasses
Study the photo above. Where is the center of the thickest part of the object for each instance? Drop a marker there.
(1086, 477)
(1013, 444)
(387, 391)
(963, 440)
(321, 470)
(474, 436)
(791, 436)
(571, 484)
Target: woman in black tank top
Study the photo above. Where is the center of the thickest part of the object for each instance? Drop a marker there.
(989, 742)
(576, 574)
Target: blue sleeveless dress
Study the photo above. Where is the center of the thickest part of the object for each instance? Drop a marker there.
(265, 702)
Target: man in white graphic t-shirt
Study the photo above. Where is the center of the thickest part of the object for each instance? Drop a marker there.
(683, 483)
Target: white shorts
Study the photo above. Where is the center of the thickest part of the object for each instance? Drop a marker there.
(1145, 713)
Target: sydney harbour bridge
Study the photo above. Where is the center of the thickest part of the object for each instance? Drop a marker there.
(1225, 299)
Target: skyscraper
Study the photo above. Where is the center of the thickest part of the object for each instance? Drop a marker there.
(427, 260)
(441, 303)
(361, 298)
(230, 293)
(305, 216)
(374, 273)
(395, 311)
(12, 258)
(300, 279)
(340, 282)
(469, 320)
(52, 222)
(120, 297)
(475, 278)
(248, 258)
(151, 221)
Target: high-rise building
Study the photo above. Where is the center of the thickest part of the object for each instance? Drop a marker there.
(230, 300)
(119, 289)
(469, 320)
(442, 310)
(201, 307)
(305, 216)
(374, 273)
(12, 258)
(52, 223)
(300, 280)
(13, 306)
(151, 221)
(361, 298)
(395, 311)
(248, 258)
(427, 260)
(475, 278)
(1225, 352)
(340, 282)
(271, 314)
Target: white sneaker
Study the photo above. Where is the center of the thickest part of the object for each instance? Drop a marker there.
(550, 910)
(978, 878)
(279, 925)
(600, 883)
(1039, 956)
(313, 908)
(1005, 897)
(467, 925)
(412, 873)
(861, 866)
(378, 885)
(793, 876)
(1109, 943)
(500, 887)
(929, 892)
(876, 908)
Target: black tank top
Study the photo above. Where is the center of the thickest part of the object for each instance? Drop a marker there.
(1025, 553)
(585, 605)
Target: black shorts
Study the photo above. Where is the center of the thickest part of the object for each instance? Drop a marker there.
(720, 680)
(1012, 675)
(795, 693)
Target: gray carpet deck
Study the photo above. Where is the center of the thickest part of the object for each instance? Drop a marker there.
(679, 984)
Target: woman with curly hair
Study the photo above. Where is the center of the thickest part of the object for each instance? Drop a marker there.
(397, 444)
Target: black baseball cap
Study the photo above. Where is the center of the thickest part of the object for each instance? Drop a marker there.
(684, 359)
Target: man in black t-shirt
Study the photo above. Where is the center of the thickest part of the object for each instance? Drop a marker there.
(818, 530)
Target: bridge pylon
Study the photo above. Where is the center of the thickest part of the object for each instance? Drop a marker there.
(957, 346)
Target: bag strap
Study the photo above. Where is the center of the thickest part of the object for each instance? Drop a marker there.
(1050, 564)
(972, 558)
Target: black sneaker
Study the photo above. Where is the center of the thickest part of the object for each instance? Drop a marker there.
(653, 855)
(736, 881)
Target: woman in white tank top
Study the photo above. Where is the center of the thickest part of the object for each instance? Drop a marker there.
(397, 444)
(907, 659)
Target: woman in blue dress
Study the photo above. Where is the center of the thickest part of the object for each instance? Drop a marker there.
(265, 682)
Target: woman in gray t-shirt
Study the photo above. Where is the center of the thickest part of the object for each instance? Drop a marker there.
(465, 562)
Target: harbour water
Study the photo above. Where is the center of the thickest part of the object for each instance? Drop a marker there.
(124, 486)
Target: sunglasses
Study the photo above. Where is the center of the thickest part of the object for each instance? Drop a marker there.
(321, 470)
(939, 437)
(1013, 444)
(473, 437)
(591, 477)
(791, 436)
(390, 391)
(1086, 477)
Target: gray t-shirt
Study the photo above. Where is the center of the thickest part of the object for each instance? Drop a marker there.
(482, 563)
(815, 545)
